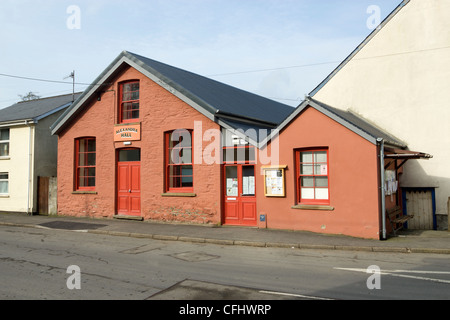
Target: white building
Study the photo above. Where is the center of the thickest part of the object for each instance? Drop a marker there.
(28, 152)
(399, 78)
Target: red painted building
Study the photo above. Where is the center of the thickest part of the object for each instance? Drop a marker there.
(151, 141)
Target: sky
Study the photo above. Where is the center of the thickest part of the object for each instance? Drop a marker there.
(279, 49)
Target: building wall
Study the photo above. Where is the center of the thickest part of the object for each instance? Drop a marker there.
(399, 80)
(19, 165)
(45, 153)
(160, 111)
(353, 180)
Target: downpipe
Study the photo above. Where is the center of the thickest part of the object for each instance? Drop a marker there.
(29, 168)
(380, 142)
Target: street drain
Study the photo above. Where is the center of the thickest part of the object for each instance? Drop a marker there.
(194, 256)
(68, 225)
(141, 249)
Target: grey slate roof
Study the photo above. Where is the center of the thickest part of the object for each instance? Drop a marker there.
(221, 97)
(228, 106)
(362, 124)
(35, 109)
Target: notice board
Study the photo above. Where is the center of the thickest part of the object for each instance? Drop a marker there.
(274, 181)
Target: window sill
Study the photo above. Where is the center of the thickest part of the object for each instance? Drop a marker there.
(130, 123)
(5, 158)
(4, 195)
(178, 194)
(313, 207)
(84, 192)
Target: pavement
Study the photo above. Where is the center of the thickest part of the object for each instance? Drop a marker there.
(406, 241)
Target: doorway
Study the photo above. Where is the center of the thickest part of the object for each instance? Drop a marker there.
(129, 182)
(239, 197)
(421, 203)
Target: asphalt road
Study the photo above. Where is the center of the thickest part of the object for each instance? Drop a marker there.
(64, 265)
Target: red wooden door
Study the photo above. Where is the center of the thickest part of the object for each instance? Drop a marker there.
(240, 200)
(128, 186)
(43, 191)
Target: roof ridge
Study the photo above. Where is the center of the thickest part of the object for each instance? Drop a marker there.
(46, 98)
(375, 125)
(336, 111)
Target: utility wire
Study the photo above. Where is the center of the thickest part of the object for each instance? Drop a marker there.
(52, 81)
(244, 72)
(329, 62)
(241, 72)
(45, 95)
(274, 69)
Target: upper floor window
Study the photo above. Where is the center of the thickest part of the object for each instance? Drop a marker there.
(4, 142)
(129, 102)
(85, 163)
(312, 176)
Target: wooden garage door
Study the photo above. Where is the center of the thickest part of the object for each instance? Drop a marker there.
(420, 204)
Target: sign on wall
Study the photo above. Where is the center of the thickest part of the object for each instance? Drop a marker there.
(274, 181)
(130, 132)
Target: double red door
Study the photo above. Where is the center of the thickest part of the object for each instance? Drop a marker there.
(240, 200)
(129, 184)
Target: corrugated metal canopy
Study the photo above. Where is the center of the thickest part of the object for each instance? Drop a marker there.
(392, 153)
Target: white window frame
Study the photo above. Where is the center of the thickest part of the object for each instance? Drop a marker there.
(5, 142)
(5, 180)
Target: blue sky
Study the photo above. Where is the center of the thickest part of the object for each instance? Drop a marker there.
(226, 40)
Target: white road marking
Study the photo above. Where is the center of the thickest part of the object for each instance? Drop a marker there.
(395, 273)
(294, 295)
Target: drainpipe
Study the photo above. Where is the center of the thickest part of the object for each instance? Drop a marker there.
(380, 142)
(29, 168)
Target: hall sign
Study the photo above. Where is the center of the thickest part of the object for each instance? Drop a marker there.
(130, 132)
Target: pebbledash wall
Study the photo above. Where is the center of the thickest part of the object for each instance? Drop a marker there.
(99, 120)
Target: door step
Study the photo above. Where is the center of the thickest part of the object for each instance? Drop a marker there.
(125, 217)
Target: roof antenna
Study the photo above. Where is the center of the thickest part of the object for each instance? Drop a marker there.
(72, 75)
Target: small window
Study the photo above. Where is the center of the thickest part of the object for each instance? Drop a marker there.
(179, 169)
(85, 164)
(312, 176)
(4, 142)
(130, 155)
(129, 102)
(4, 183)
(248, 180)
(239, 154)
